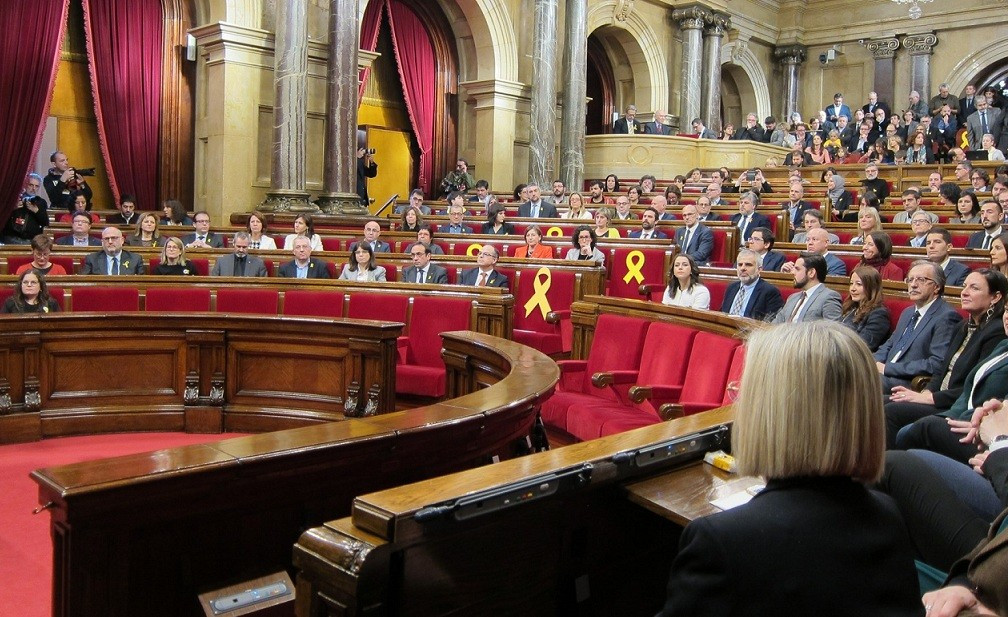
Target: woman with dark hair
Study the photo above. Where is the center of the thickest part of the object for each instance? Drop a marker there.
(362, 266)
(146, 232)
(31, 295)
(967, 208)
(949, 193)
(584, 246)
(983, 299)
(174, 213)
(256, 227)
(820, 155)
(648, 183)
(673, 195)
(694, 175)
(411, 219)
(863, 310)
(520, 195)
(633, 196)
(41, 246)
(173, 259)
(496, 221)
(303, 226)
(78, 203)
(684, 286)
(611, 184)
(877, 252)
(998, 253)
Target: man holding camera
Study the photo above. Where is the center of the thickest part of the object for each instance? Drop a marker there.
(30, 218)
(366, 168)
(459, 180)
(63, 179)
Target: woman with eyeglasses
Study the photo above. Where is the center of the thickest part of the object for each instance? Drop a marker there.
(31, 295)
(173, 259)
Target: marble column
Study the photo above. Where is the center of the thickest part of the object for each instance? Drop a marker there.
(575, 102)
(691, 21)
(791, 57)
(884, 51)
(717, 26)
(920, 47)
(290, 114)
(542, 123)
(339, 161)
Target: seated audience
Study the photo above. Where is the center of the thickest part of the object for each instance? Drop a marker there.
(868, 222)
(813, 219)
(750, 296)
(877, 253)
(533, 245)
(174, 213)
(78, 202)
(864, 311)
(41, 246)
(62, 180)
(202, 237)
(584, 240)
(362, 266)
(146, 232)
(871, 182)
(684, 286)
(112, 260)
(256, 227)
(917, 152)
(303, 266)
(173, 259)
(303, 227)
(647, 183)
(818, 152)
(603, 218)
(239, 262)
(755, 183)
(485, 274)
(496, 221)
(127, 212)
(425, 235)
(596, 197)
(816, 444)
(422, 270)
(31, 295)
(536, 206)
(611, 184)
(817, 241)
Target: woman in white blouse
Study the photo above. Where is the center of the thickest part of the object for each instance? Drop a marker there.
(362, 266)
(577, 209)
(303, 227)
(684, 288)
(256, 227)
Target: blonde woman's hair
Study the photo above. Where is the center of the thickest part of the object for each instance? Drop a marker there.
(809, 405)
(181, 246)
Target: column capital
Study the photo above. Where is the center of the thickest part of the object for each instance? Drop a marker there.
(692, 17)
(920, 44)
(791, 54)
(717, 24)
(883, 48)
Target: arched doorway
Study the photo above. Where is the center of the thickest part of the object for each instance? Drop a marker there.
(601, 84)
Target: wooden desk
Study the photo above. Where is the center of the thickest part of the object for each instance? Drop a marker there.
(686, 493)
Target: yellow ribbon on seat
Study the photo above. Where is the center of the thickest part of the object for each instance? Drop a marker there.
(554, 232)
(634, 264)
(473, 249)
(540, 288)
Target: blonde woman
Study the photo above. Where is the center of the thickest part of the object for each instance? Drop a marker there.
(173, 259)
(603, 218)
(147, 233)
(576, 208)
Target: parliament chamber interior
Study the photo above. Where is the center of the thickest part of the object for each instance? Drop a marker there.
(431, 307)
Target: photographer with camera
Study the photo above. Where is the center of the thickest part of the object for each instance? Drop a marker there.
(30, 218)
(62, 180)
(366, 168)
(459, 181)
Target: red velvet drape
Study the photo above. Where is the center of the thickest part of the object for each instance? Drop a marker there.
(124, 41)
(415, 56)
(29, 56)
(369, 38)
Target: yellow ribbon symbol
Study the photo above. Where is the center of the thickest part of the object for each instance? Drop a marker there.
(554, 232)
(474, 249)
(634, 263)
(540, 288)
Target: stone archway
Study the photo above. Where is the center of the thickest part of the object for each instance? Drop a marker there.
(749, 78)
(633, 50)
(967, 70)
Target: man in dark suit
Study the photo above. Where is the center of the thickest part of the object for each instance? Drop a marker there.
(202, 238)
(967, 104)
(982, 121)
(919, 342)
(751, 131)
(795, 206)
(838, 109)
(239, 262)
(372, 230)
(648, 231)
(862, 139)
(938, 245)
(422, 270)
(703, 204)
(701, 131)
(112, 260)
(991, 216)
(484, 274)
(127, 212)
(658, 126)
(366, 168)
(81, 236)
(761, 241)
(456, 212)
(536, 206)
(695, 239)
(628, 124)
(747, 218)
(750, 296)
(303, 266)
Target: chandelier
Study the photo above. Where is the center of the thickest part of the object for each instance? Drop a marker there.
(915, 9)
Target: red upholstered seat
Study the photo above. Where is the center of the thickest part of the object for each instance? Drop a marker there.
(384, 307)
(734, 373)
(313, 303)
(616, 346)
(530, 325)
(257, 301)
(106, 299)
(719, 251)
(178, 299)
(391, 273)
(57, 294)
(717, 291)
(629, 268)
(422, 371)
(330, 244)
(896, 308)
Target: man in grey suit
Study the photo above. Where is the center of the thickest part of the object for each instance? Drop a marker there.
(921, 338)
(372, 230)
(239, 262)
(536, 206)
(422, 270)
(112, 260)
(815, 301)
(701, 131)
(938, 245)
(982, 121)
(484, 274)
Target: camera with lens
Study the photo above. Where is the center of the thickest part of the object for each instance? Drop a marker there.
(751, 175)
(87, 171)
(370, 151)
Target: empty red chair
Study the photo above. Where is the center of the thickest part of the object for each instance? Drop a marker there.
(106, 299)
(257, 301)
(734, 375)
(538, 292)
(178, 299)
(383, 307)
(56, 293)
(313, 303)
(629, 268)
(422, 371)
(330, 244)
(616, 345)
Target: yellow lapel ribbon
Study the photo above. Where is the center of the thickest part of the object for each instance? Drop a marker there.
(540, 287)
(634, 264)
(474, 249)
(554, 232)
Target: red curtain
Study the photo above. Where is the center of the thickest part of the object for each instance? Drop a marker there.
(415, 56)
(29, 56)
(124, 39)
(369, 38)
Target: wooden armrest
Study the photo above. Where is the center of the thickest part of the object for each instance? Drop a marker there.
(920, 382)
(555, 317)
(639, 394)
(601, 380)
(671, 411)
(646, 289)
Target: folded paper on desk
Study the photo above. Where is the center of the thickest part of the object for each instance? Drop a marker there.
(737, 499)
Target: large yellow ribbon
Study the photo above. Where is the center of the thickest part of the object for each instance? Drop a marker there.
(474, 249)
(539, 297)
(554, 232)
(634, 264)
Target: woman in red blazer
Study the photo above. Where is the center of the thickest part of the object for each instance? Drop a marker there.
(533, 245)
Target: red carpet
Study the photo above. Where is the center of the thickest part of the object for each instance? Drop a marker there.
(25, 548)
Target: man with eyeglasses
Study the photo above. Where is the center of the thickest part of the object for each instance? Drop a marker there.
(991, 217)
(422, 270)
(112, 260)
(484, 274)
(980, 180)
(920, 225)
(761, 241)
(921, 338)
(202, 238)
(416, 200)
(748, 220)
